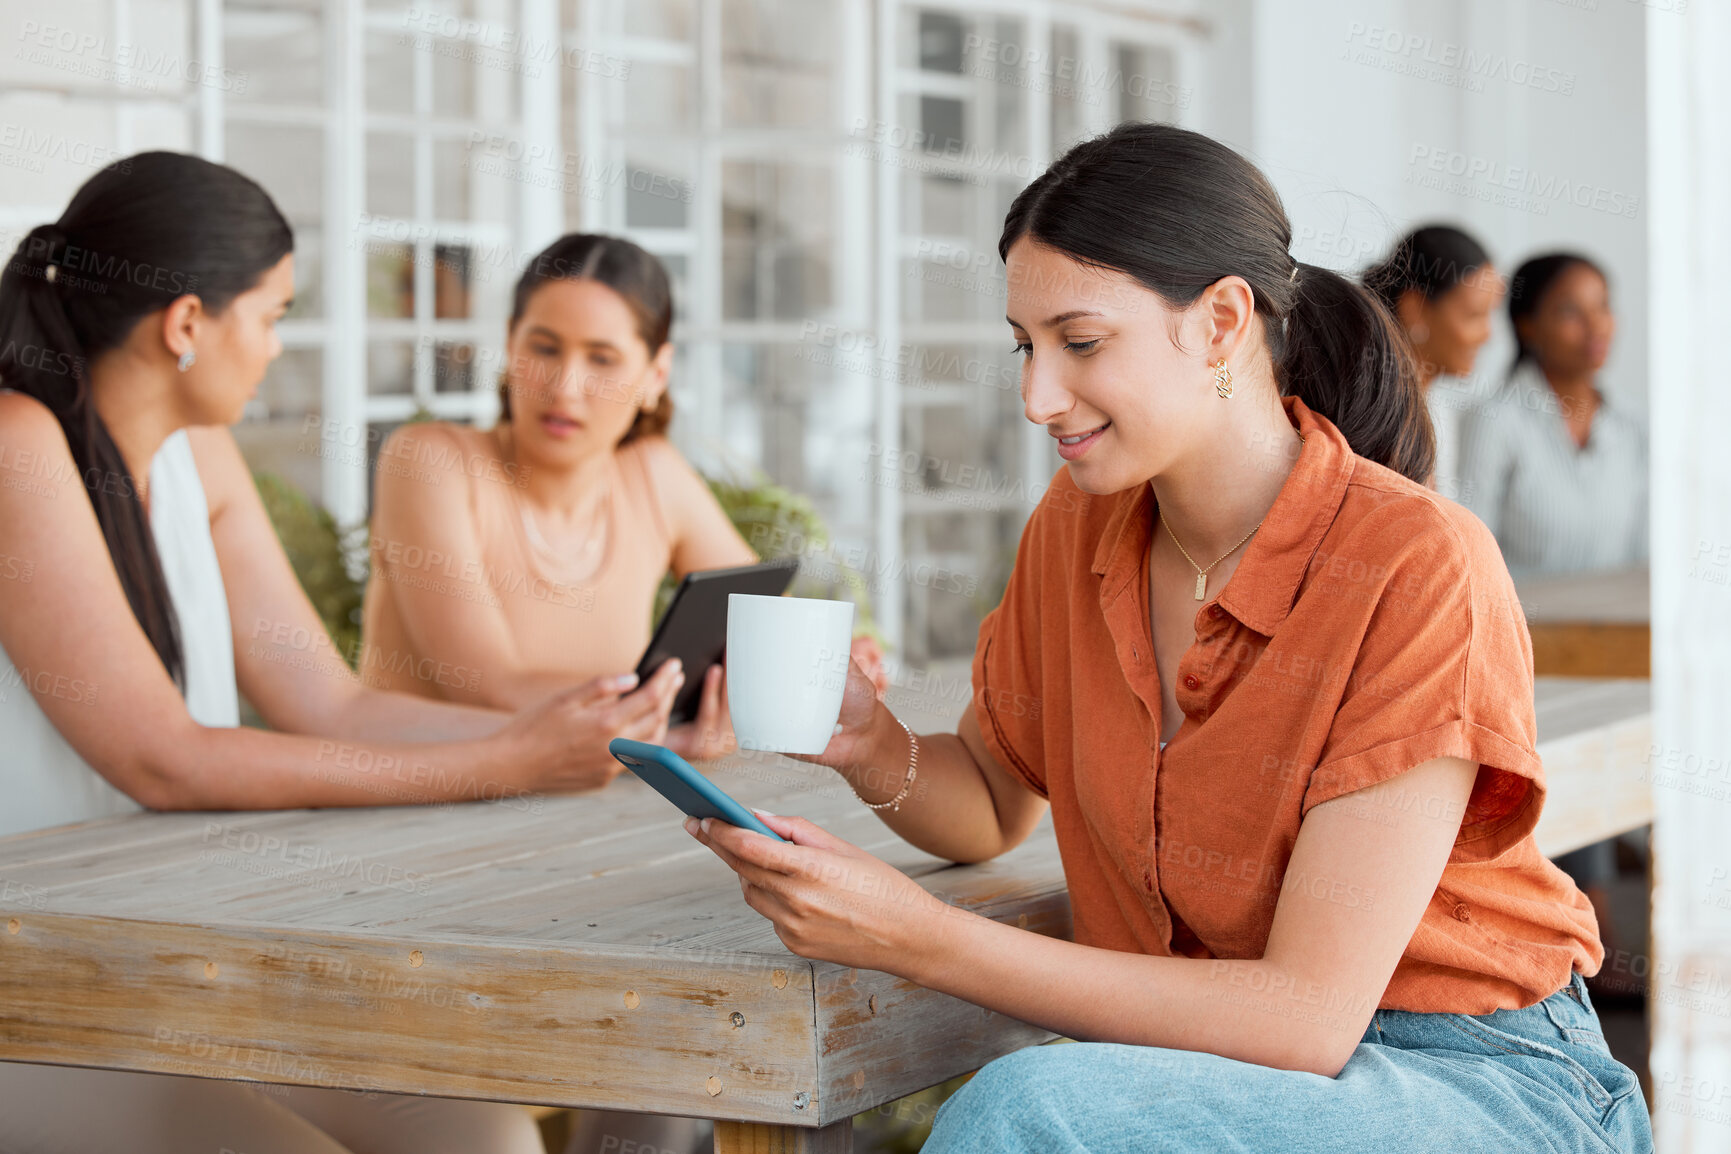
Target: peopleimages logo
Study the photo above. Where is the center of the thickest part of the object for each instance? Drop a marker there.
(108, 267)
(68, 50)
(1481, 176)
(1445, 61)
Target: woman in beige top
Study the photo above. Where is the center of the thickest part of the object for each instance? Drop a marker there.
(511, 563)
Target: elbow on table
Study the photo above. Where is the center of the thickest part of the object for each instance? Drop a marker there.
(155, 772)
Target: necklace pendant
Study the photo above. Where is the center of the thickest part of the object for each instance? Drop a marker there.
(1201, 586)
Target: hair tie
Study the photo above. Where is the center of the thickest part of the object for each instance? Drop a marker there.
(1292, 277)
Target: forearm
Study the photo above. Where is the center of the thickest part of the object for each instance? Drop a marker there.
(1252, 1010)
(380, 715)
(948, 811)
(247, 769)
(502, 688)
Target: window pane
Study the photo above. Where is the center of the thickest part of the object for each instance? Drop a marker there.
(954, 282)
(1069, 116)
(661, 19)
(454, 368)
(454, 64)
(390, 368)
(390, 175)
(279, 51)
(776, 62)
(776, 246)
(289, 163)
(658, 96)
(658, 188)
(804, 423)
(309, 273)
(452, 277)
(450, 179)
(1148, 83)
(941, 36)
(390, 69)
(390, 280)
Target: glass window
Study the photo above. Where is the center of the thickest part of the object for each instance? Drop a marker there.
(775, 240)
(275, 54)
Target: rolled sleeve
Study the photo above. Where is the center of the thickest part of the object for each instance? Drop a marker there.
(1447, 674)
(1008, 734)
(1007, 672)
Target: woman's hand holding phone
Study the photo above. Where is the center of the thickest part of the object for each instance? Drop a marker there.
(829, 899)
(562, 742)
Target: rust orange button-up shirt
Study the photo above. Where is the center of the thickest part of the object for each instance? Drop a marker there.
(1369, 627)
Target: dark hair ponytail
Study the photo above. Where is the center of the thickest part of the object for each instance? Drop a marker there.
(627, 269)
(1429, 260)
(1177, 211)
(137, 235)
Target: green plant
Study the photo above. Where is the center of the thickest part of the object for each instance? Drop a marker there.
(321, 553)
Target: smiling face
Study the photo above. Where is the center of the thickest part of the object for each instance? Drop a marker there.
(1570, 332)
(1122, 379)
(580, 372)
(234, 347)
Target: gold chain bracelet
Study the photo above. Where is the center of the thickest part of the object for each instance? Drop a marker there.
(895, 803)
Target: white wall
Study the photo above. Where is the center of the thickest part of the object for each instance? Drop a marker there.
(1689, 124)
(1346, 130)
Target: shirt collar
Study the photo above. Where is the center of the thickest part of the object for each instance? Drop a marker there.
(1527, 382)
(1265, 585)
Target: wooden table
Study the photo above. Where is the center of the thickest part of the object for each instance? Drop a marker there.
(1594, 737)
(577, 951)
(1589, 624)
(589, 954)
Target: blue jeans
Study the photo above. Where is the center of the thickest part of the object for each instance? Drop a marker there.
(1538, 1079)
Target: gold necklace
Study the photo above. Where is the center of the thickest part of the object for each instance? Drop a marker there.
(1201, 573)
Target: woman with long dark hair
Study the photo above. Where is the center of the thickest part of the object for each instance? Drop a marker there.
(1553, 465)
(1441, 287)
(1279, 701)
(150, 591)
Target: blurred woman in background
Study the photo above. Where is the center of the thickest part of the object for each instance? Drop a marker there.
(563, 517)
(1559, 472)
(132, 331)
(1440, 285)
(1556, 469)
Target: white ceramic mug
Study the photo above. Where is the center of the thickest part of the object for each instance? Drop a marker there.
(787, 663)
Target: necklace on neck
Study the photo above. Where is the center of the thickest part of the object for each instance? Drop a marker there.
(1201, 571)
(569, 563)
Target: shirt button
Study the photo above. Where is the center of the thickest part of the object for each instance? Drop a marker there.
(1462, 914)
(1190, 682)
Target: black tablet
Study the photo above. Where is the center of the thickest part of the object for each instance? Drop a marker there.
(694, 629)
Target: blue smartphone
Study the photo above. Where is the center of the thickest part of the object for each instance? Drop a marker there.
(674, 779)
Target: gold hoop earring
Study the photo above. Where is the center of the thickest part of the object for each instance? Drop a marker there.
(1222, 378)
